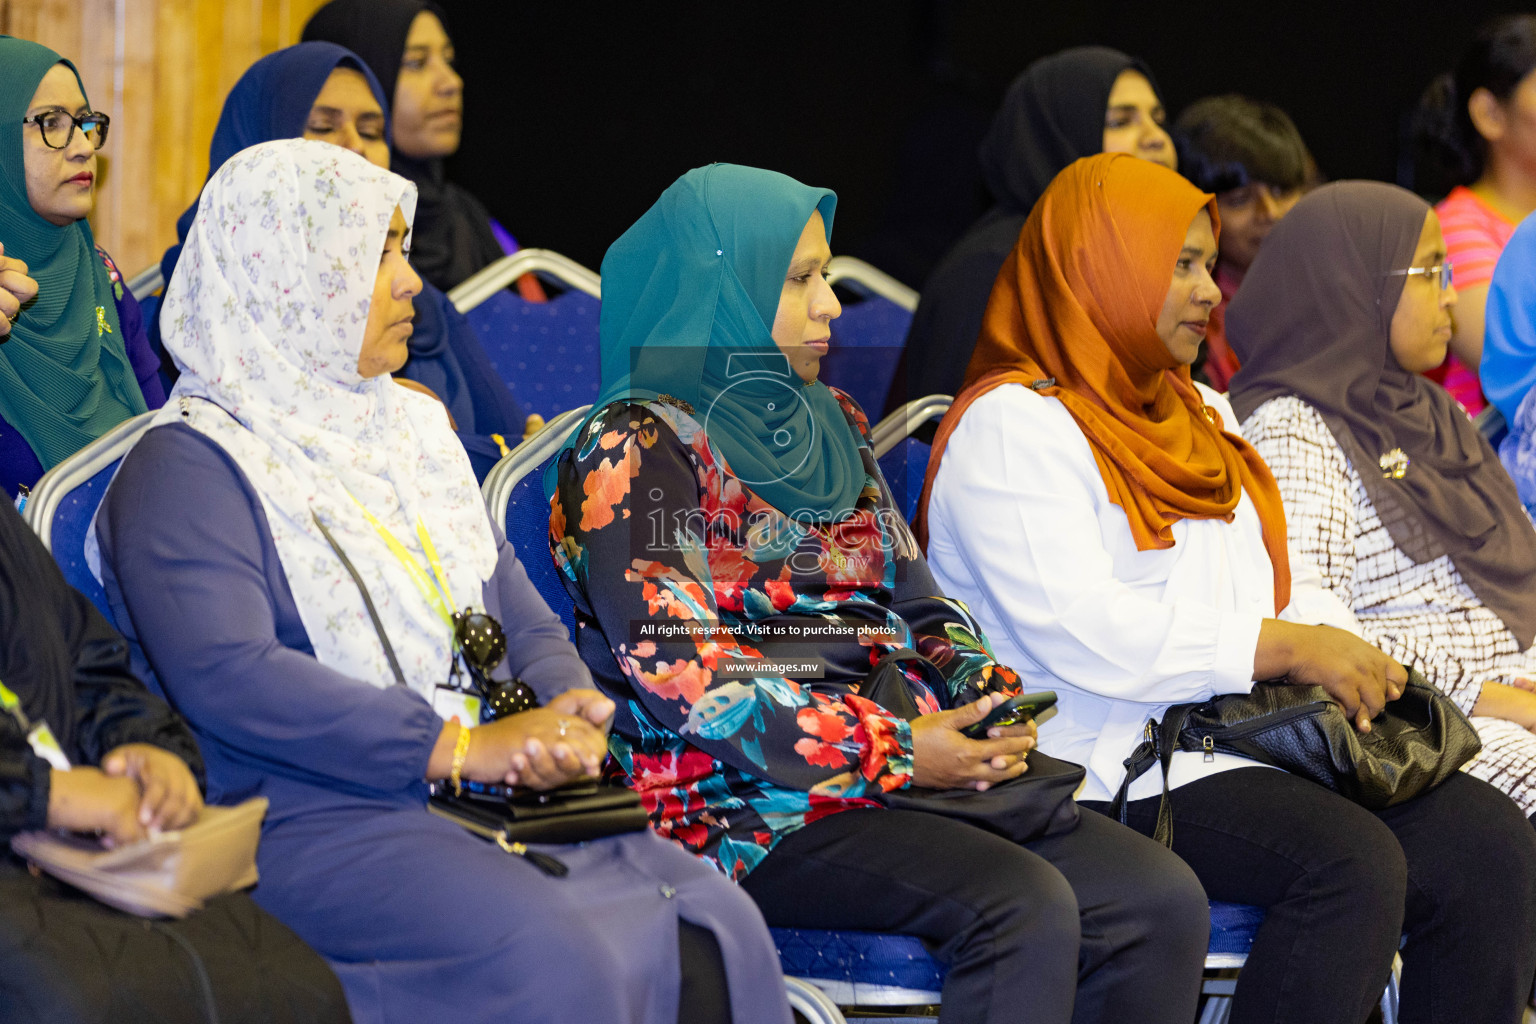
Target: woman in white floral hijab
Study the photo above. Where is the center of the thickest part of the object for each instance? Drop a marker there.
(290, 306)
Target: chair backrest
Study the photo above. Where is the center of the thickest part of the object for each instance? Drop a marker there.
(904, 468)
(64, 503)
(563, 270)
(146, 282)
(903, 458)
(867, 339)
(514, 494)
(547, 352)
(1492, 424)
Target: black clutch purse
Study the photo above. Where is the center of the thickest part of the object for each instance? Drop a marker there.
(514, 817)
(572, 814)
(1417, 742)
(1038, 803)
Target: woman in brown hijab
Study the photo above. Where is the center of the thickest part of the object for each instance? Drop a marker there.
(1122, 545)
(1387, 485)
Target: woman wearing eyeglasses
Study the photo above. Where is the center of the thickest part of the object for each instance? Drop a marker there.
(285, 548)
(1388, 486)
(75, 361)
(1122, 544)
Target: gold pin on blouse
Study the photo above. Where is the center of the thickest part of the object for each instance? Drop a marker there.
(101, 322)
(1210, 414)
(1394, 464)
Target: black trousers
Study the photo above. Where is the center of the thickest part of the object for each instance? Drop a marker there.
(1098, 924)
(1451, 874)
(66, 958)
(704, 998)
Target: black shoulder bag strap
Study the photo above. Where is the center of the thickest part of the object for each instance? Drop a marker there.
(373, 613)
(1162, 739)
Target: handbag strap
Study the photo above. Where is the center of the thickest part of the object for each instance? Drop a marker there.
(373, 613)
(1157, 748)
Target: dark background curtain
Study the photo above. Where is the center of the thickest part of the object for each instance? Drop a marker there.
(579, 114)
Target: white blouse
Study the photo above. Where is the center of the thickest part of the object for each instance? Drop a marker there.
(1021, 527)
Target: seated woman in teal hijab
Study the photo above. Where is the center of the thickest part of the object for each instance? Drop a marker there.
(75, 362)
(722, 505)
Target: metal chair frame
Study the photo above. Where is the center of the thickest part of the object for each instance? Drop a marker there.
(61, 480)
(871, 279)
(509, 472)
(469, 293)
(146, 282)
(889, 432)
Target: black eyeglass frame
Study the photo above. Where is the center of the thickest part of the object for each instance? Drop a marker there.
(103, 123)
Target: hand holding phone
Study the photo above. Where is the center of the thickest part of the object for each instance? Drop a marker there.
(1024, 707)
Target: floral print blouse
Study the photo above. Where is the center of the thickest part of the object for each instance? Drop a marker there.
(681, 574)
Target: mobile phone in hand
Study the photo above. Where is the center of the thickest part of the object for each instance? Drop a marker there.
(1013, 711)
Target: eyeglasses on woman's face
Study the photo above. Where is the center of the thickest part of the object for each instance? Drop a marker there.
(58, 127)
(1440, 272)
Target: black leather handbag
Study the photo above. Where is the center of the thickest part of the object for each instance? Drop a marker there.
(1417, 742)
(1038, 803)
(572, 814)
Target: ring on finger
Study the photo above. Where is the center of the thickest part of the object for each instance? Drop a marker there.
(562, 723)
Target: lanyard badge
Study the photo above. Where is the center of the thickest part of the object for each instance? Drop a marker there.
(39, 737)
(478, 641)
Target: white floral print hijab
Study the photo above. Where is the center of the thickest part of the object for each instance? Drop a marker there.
(264, 316)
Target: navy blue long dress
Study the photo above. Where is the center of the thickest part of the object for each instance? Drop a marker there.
(421, 921)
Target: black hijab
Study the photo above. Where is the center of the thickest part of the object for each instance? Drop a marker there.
(1052, 114)
(1313, 320)
(452, 237)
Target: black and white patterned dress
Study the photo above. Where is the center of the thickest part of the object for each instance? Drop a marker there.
(1421, 613)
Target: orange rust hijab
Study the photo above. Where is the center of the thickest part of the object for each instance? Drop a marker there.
(1077, 304)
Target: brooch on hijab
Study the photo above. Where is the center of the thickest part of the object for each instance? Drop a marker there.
(676, 403)
(1394, 464)
(101, 321)
(1043, 383)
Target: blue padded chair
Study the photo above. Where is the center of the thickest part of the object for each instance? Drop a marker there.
(514, 494)
(867, 969)
(867, 339)
(547, 352)
(64, 502)
(903, 458)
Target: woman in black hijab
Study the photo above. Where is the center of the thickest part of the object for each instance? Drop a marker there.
(1082, 101)
(405, 43)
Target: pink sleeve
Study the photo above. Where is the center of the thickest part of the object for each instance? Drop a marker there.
(1474, 238)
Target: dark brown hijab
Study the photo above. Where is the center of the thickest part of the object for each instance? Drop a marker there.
(1313, 320)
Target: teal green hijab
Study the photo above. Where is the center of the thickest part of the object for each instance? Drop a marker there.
(65, 378)
(690, 293)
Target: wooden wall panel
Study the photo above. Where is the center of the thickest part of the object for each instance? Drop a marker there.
(161, 69)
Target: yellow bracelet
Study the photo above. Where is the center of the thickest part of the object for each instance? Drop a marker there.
(460, 752)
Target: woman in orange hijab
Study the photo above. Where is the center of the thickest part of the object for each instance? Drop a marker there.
(1122, 545)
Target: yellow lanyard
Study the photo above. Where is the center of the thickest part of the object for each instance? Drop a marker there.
(435, 591)
(11, 705)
